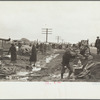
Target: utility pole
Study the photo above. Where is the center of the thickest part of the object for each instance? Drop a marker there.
(46, 31)
(58, 38)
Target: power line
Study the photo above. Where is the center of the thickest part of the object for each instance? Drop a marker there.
(46, 31)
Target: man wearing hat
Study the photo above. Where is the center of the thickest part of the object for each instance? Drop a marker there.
(97, 45)
(65, 63)
(12, 50)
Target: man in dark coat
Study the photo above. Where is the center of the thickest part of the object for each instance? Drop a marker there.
(33, 57)
(41, 48)
(12, 50)
(97, 45)
(65, 63)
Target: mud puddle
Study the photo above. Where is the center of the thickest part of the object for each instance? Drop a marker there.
(26, 74)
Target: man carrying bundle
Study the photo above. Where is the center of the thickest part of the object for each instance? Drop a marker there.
(65, 63)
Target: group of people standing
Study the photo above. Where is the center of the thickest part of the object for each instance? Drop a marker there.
(13, 52)
(80, 52)
(65, 59)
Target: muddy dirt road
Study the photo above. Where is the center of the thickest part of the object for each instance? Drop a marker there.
(48, 68)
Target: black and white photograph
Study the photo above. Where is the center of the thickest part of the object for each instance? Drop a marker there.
(46, 41)
(49, 49)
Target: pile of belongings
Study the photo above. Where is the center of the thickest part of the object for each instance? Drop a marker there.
(83, 64)
(7, 69)
(25, 49)
(90, 71)
(84, 67)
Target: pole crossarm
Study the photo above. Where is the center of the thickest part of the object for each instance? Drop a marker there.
(46, 31)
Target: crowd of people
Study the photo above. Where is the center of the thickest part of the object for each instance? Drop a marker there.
(13, 52)
(83, 50)
(76, 50)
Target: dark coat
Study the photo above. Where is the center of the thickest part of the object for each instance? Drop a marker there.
(97, 43)
(12, 50)
(66, 58)
(33, 56)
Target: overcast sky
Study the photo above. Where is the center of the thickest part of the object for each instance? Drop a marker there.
(71, 20)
